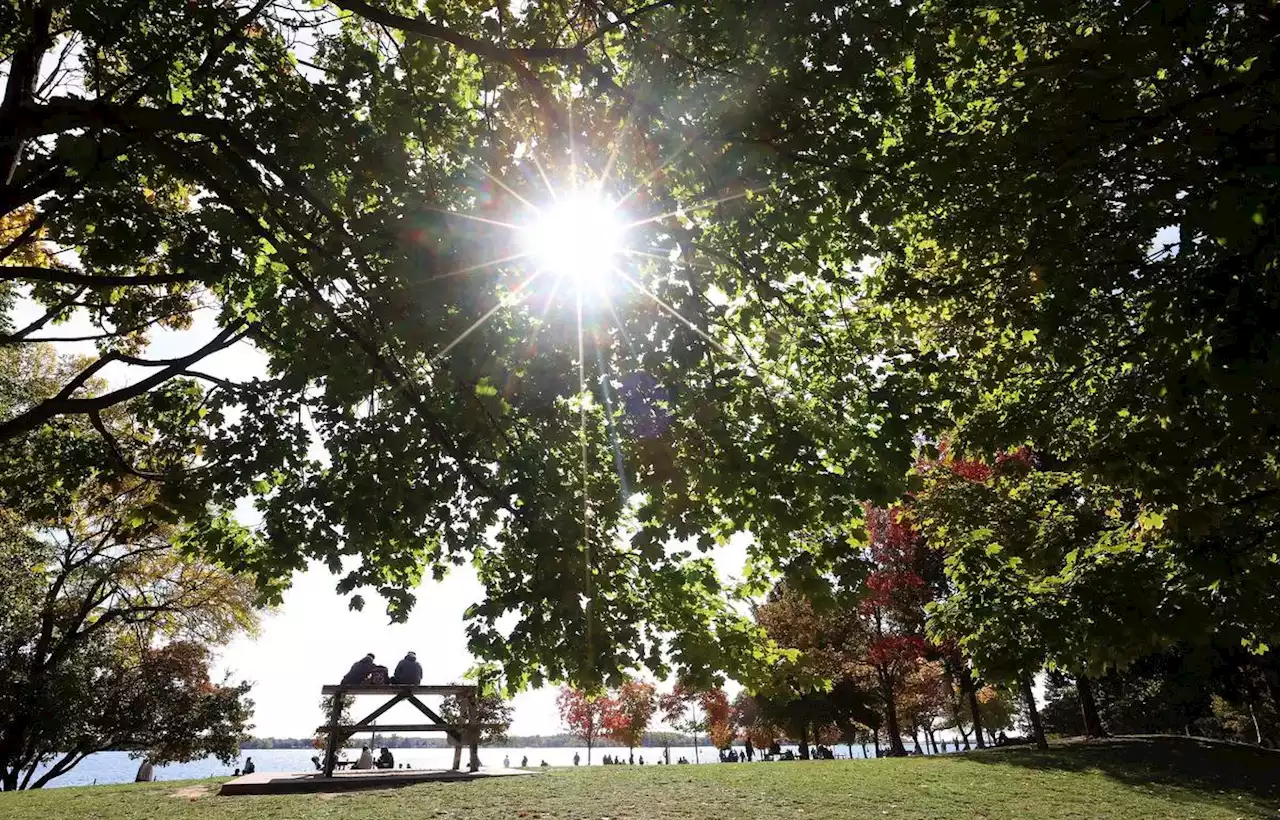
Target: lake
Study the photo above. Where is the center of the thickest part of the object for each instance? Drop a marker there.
(118, 767)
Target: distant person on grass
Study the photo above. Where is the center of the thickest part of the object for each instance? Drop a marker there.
(408, 671)
(524, 762)
(576, 758)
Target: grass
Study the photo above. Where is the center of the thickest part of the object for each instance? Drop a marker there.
(1129, 779)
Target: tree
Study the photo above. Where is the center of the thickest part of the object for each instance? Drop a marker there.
(692, 710)
(272, 164)
(80, 671)
(103, 597)
(585, 714)
(894, 608)
(633, 708)
(491, 709)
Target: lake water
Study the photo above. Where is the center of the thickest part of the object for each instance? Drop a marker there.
(118, 767)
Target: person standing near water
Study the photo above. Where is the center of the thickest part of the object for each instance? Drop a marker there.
(524, 762)
(506, 761)
(576, 758)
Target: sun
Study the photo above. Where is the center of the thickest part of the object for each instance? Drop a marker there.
(579, 237)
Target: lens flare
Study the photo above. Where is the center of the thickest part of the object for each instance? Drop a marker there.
(578, 237)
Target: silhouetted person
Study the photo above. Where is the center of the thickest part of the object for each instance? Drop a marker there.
(360, 670)
(524, 762)
(408, 671)
(576, 758)
(249, 768)
(749, 750)
(385, 760)
(315, 761)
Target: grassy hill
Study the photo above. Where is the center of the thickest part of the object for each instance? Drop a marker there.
(1129, 779)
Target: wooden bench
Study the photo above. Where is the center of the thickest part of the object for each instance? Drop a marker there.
(460, 733)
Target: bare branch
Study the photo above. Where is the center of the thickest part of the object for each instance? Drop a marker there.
(74, 277)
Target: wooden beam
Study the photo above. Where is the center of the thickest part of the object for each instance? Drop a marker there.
(347, 729)
(389, 689)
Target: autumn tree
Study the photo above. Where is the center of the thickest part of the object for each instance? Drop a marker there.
(585, 714)
(632, 709)
(694, 710)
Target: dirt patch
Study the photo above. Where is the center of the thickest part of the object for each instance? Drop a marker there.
(191, 792)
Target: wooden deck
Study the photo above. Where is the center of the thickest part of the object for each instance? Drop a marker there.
(316, 782)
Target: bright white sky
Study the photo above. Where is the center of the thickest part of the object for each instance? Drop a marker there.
(313, 638)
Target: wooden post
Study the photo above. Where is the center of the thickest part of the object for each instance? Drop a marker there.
(457, 752)
(331, 747)
(473, 731)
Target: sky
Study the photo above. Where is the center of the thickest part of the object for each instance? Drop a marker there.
(312, 638)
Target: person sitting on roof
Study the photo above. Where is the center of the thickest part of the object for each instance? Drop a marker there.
(408, 671)
(360, 670)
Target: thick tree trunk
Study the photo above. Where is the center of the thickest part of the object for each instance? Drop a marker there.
(915, 740)
(971, 693)
(876, 743)
(24, 73)
(896, 749)
(1037, 728)
(963, 736)
(804, 741)
(1089, 708)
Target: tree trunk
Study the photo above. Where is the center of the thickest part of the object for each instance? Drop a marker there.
(963, 736)
(971, 692)
(933, 741)
(24, 73)
(1257, 730)
(1089, 708)
(915, 739)
(876, 742)
(804, 741)
(896, 749)
(1037, 728)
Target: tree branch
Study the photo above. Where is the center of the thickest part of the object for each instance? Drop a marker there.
(63, 276)
(64, 404)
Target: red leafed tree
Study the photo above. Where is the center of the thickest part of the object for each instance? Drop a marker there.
(894, 608)
(694, 711)
(632, 710)
(584, 714)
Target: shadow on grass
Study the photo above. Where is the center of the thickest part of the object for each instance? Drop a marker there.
(1152, 761)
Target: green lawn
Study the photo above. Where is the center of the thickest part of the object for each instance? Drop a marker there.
(1132, 779)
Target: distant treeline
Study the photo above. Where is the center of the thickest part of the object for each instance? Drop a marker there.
(654, 739)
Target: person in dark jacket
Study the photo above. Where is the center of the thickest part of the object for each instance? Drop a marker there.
(408, 671)
(360, 670)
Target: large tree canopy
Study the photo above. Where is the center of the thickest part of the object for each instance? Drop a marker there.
(1040, 224)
